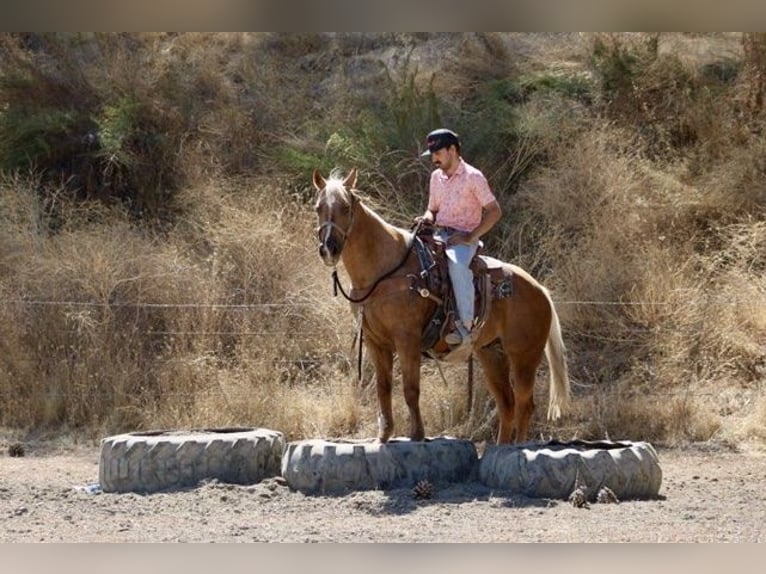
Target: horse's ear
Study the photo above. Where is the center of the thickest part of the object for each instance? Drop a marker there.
(350, 181)
(319, 181)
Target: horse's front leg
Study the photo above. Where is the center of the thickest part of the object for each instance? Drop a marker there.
(383, 361)
(409, 361)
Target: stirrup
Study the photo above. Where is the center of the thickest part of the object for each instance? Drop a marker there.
(455, 338)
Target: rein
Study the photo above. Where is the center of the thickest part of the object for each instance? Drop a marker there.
(337, 285)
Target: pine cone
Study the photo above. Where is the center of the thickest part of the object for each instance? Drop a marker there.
(579, 498)
(423, 489)
(16, 449)
(606, 495)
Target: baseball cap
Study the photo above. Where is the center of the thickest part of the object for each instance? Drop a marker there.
(438, 139)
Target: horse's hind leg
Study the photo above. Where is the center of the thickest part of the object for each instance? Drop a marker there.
(496, 368)
(384, 363)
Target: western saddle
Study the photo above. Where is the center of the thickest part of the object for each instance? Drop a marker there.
(491, 281)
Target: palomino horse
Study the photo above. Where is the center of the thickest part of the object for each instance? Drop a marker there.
(379, 261)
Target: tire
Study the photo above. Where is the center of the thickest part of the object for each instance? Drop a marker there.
(554, 470)
(148, 462)
(323, 467)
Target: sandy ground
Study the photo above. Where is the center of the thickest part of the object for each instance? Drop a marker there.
(708, 493)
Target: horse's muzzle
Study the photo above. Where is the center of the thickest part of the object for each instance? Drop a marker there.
(329, 251)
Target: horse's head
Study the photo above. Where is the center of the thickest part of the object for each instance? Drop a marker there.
(335, 213)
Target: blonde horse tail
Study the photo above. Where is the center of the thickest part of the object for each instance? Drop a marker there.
(555, 352)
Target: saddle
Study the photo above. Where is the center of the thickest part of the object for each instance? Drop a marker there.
(491, 281)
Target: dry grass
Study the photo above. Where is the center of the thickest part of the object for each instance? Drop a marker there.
(227, 321)
(755, 424)
(658, 324)
(639, 203)
(112, 327)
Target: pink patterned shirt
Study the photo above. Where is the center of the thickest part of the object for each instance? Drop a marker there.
(458, 200)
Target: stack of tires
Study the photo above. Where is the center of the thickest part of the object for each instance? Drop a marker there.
(162, 460)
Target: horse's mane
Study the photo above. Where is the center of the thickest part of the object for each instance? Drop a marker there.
(335, 181)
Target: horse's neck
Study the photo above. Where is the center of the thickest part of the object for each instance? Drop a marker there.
(372, 248)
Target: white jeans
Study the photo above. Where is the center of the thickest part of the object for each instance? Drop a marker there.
(458, 261)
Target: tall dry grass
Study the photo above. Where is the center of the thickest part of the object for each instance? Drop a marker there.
(661, 290)
(228, 320)
(110, 326)
(164, 273)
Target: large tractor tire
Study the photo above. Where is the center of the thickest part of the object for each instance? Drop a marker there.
(555, 469)
(323, 467)
(148, 462)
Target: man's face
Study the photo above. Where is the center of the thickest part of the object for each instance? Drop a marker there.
(442, 158)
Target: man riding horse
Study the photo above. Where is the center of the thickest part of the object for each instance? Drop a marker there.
(463, 209)
(519, 323)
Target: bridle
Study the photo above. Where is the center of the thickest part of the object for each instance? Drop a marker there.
(344, 233)
(330, 225)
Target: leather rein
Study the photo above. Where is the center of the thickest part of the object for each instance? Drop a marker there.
(336, 282)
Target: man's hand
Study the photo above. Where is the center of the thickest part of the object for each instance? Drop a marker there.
(426, 219)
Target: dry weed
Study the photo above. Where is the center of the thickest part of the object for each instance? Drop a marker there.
(639, 203)
(755, 424)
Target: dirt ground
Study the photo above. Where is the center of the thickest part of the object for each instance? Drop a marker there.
(708, 493)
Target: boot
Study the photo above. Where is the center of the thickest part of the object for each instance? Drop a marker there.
(460, 336)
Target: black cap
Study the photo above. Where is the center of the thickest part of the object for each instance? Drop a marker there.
(438, 139)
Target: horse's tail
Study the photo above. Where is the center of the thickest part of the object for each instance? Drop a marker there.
(555, 352)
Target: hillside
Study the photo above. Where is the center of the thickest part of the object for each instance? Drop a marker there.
(158, 265)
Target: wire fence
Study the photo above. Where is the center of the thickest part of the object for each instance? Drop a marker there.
(149, 305)
(305, 331)
(706, 299)
(271, 307)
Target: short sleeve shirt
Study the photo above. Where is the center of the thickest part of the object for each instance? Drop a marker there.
(458, 200)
